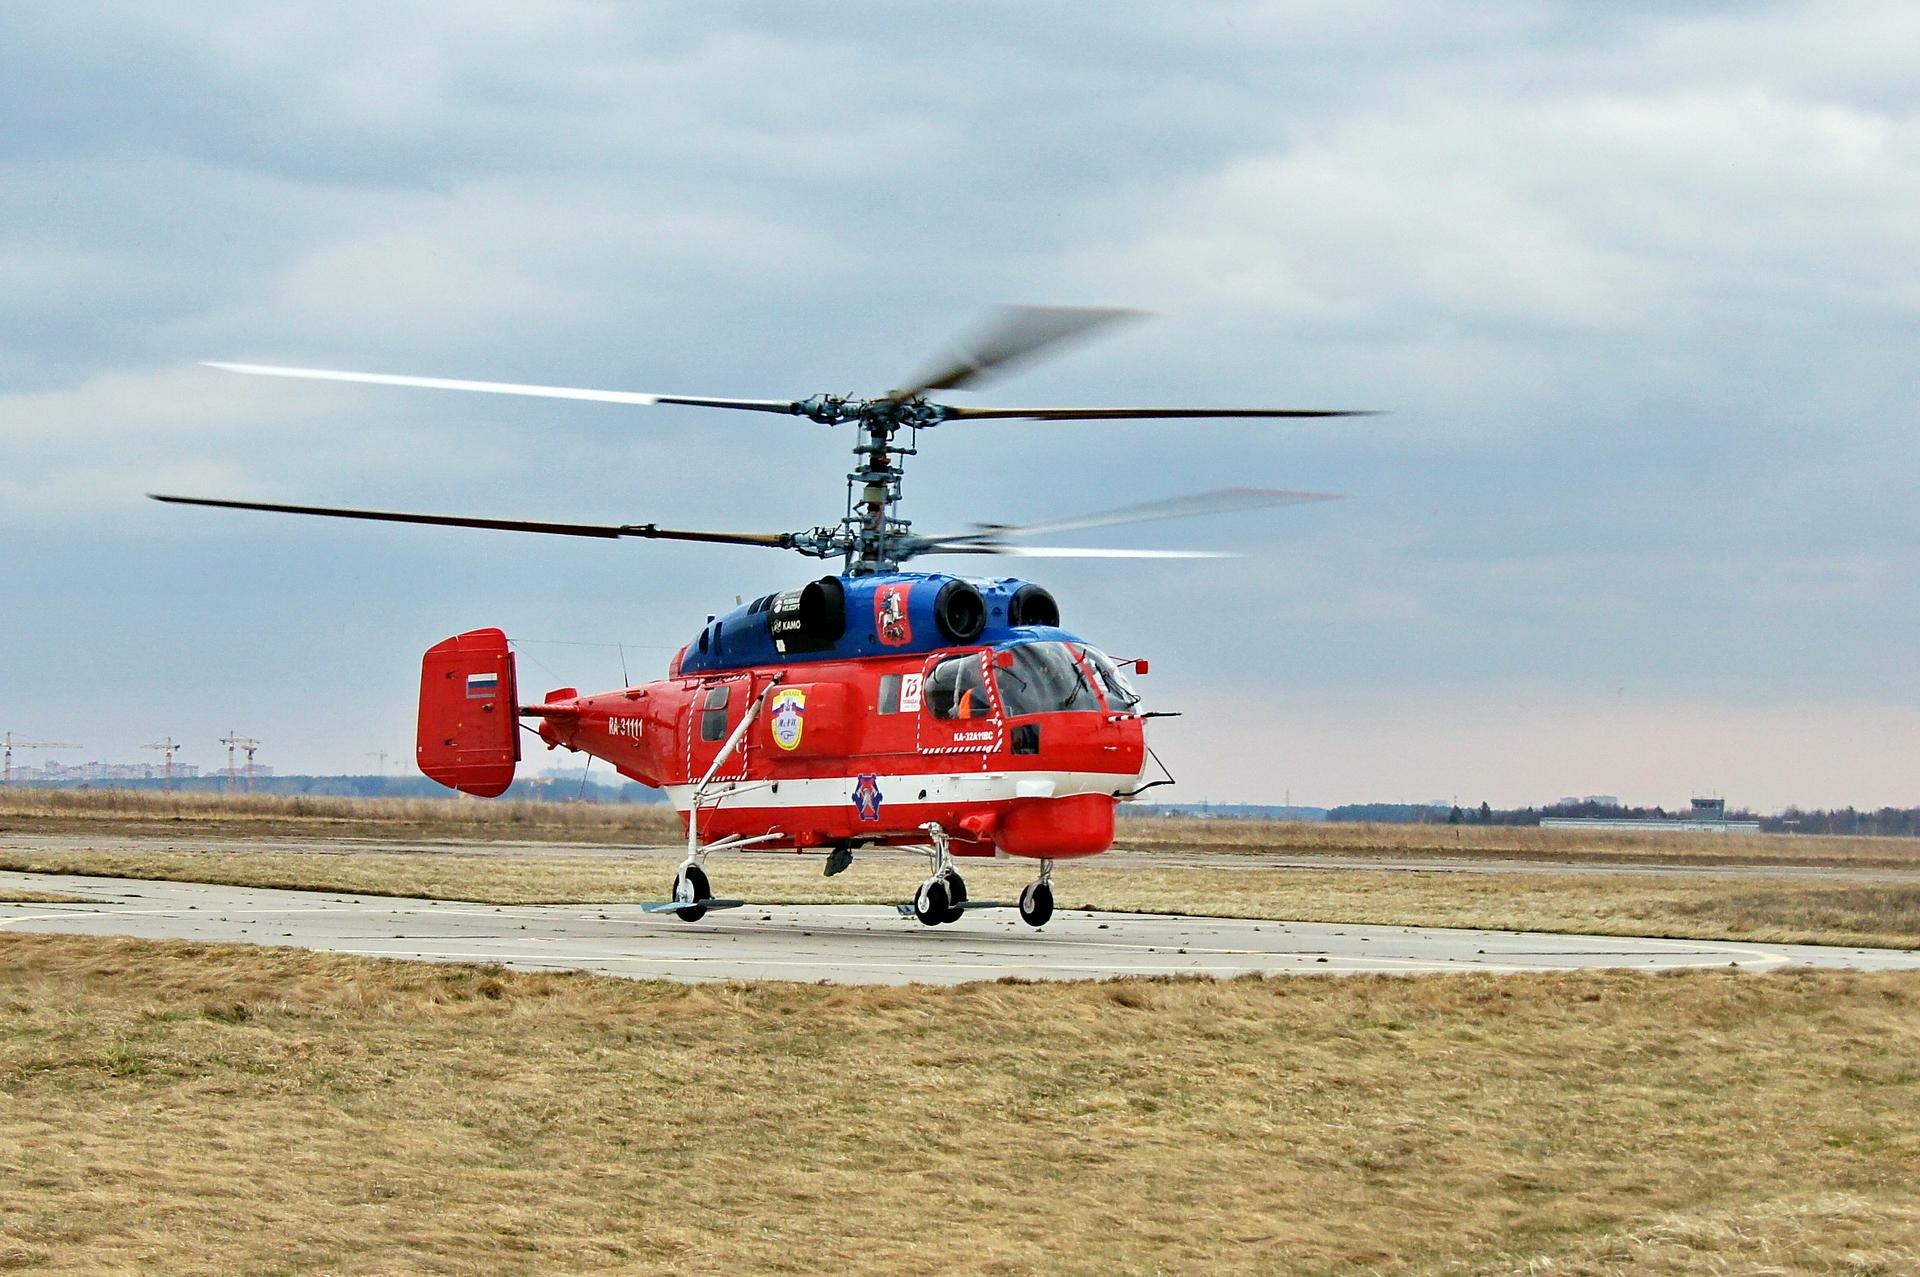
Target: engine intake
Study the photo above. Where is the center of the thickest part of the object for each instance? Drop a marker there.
(809, 619)
(960, 612)
(1032, 605)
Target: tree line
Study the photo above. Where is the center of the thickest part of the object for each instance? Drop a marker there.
(1883, 822)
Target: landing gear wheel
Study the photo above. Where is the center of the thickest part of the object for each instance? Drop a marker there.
(1036, 904)
(956, 896)
(689, 885)
(931, 902)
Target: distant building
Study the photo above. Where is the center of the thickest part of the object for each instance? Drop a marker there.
(62, 773)
(1708, 816)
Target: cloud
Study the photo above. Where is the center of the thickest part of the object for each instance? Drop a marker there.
(1639, 284)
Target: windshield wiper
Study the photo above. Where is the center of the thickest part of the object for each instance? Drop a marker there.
(1079, 685)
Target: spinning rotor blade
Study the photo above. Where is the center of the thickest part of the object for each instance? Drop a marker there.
(1143, 414)
(1016, 334)
(782, 406)
(777, 540)
(1218, 501)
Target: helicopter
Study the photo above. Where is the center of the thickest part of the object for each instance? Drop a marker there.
(876, 707)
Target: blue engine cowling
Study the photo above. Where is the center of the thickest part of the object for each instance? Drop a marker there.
(845, 617)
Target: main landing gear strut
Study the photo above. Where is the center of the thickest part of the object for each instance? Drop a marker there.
(692, 892)
(943, 896)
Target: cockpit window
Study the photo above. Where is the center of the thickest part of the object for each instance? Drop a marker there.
(1120, 693)
(1045, 678)
(957, 688)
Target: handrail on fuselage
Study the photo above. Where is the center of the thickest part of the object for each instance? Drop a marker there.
(726, 752)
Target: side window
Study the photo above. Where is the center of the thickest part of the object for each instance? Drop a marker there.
(889, 694)
(957, 688)
(713, 713)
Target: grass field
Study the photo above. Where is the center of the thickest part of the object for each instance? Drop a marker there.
(227, 1110)
(1704, 907)
(217, 815)
(248, 815)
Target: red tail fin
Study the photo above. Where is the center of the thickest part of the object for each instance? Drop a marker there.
(469, 735)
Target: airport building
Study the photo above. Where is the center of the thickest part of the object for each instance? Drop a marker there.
(1708, 816)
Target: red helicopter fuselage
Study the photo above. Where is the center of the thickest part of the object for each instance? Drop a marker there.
(852, 712)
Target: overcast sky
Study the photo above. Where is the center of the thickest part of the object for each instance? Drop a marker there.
(1638, 283)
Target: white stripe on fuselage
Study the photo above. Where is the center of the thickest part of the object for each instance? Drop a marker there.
(908, 788)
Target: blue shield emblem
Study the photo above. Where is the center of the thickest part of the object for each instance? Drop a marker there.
(866, 796)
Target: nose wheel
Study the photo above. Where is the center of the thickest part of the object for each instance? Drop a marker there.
(1036, 903)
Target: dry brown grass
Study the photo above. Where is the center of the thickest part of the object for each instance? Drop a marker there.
(252, 815)
(212, 1109)
(1781, 910)
(1336, 838)
(11, 896)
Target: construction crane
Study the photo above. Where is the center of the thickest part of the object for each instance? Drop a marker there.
(12, 744)
(169, 749)
(233, 740)
(382, 755)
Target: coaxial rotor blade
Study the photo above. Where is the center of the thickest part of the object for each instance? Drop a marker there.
(1218, 501)
(783, 406)
(1014, 335)
(777, 540)
(1141, 414)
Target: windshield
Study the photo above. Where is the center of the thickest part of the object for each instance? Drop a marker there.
(1045, 678)
(1120, 693)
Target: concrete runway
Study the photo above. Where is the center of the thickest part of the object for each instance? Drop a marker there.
(848, 944)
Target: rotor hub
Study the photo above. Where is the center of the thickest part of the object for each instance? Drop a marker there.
(913, 413)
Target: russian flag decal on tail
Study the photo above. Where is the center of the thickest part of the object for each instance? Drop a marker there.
(481, 687)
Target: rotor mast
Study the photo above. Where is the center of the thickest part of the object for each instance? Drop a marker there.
(874, 532)
(872, 536)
